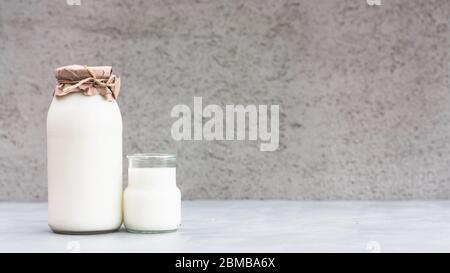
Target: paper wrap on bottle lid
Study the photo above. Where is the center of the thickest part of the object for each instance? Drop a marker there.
(90, 80)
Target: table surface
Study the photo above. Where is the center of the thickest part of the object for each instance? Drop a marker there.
(251, 226)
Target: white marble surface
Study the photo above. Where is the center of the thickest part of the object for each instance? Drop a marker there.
(252, 226)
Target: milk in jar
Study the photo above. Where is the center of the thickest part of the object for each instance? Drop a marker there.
(152, 200)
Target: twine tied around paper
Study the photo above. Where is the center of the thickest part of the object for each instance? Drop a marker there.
(94, 80)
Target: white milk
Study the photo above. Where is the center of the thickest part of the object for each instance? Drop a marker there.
(84, 141)
(152, 200)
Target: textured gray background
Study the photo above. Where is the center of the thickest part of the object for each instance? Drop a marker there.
(363, 91)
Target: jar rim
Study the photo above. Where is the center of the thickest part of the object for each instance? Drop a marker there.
(144, 156)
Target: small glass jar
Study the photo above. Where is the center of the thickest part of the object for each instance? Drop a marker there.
(152, 200)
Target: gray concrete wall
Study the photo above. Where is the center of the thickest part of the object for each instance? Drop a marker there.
(363, 91)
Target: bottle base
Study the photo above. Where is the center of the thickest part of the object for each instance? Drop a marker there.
(94, 232)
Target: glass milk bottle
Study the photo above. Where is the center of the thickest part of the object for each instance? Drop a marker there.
(152, 200)
(84, 151)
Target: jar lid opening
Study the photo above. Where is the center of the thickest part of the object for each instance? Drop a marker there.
(144, 156)
(152, 160)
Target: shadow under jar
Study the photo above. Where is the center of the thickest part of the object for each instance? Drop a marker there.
(152, 200)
